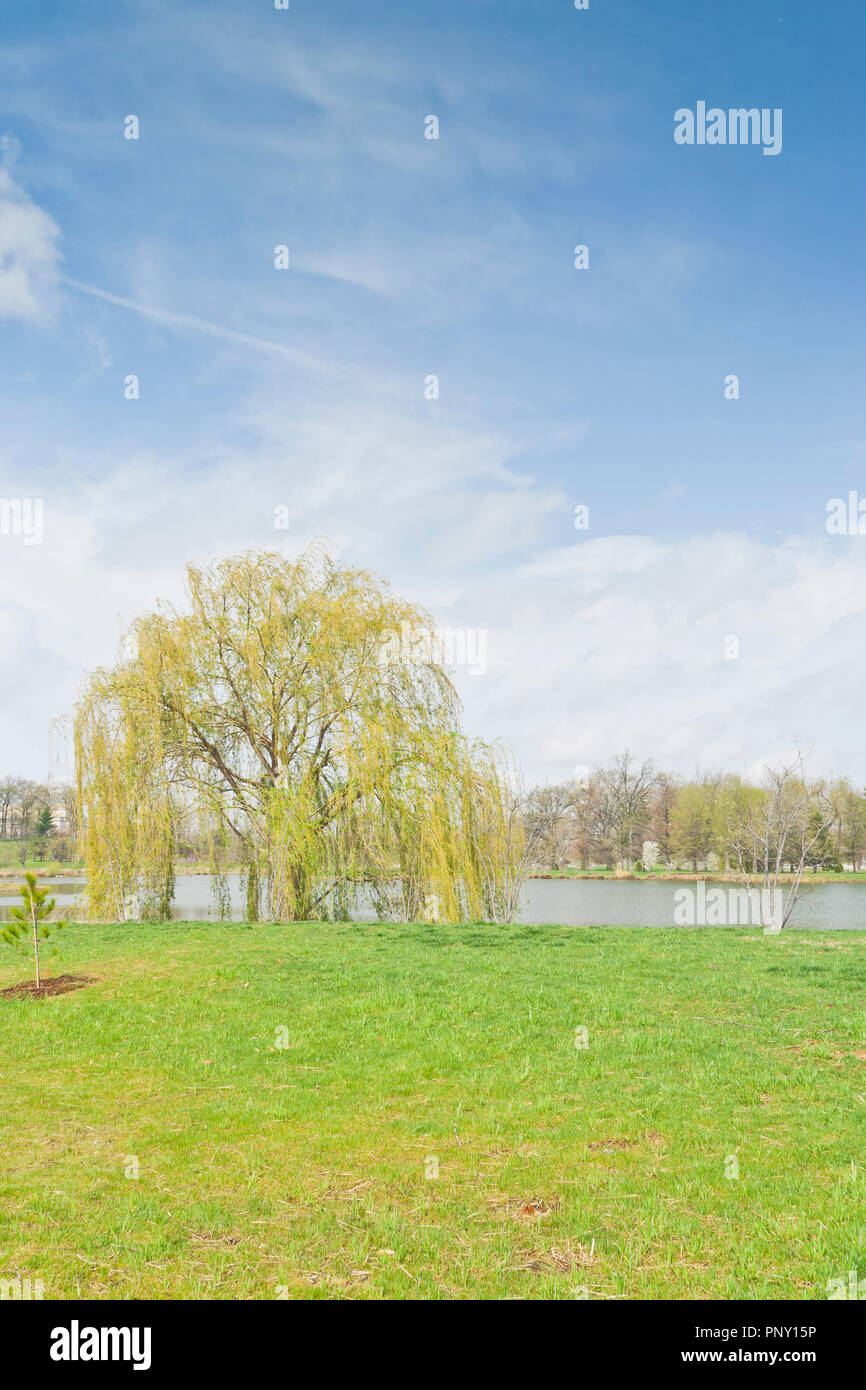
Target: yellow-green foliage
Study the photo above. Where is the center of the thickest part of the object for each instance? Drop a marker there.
(271, 715)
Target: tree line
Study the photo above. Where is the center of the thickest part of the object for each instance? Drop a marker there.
(631, 815)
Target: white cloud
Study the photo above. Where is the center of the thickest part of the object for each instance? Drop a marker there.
(593, 646)
(29, 256)
(620, 641)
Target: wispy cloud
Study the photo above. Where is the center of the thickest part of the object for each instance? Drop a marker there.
(29, 252)
(171, 318)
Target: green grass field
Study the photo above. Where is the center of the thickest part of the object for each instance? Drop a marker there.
(303, 1162)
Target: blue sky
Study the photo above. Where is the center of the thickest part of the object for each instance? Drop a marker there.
(304, 387)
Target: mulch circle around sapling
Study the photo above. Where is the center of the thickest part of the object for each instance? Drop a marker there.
(55, 984)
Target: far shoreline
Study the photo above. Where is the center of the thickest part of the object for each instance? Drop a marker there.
(857, 876)
(690, 876)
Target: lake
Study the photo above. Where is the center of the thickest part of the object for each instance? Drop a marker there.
(569, 902)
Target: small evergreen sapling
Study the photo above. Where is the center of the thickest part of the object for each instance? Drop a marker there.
(37, 908)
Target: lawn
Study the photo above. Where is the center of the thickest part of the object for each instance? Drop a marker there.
(324, 1111)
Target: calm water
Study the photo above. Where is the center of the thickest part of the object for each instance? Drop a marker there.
(575, 902)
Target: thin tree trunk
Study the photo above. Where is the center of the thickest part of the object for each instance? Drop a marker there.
(253, 891)
(35, 939)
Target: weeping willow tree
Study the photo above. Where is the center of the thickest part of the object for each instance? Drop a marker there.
(272, 714)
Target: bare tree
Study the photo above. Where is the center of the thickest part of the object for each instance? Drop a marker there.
(9, 795)
(592, 823)
(664, 801)
(547, 821)
(777, 824)
(32, 798)
(850, 821)
(629, 788)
